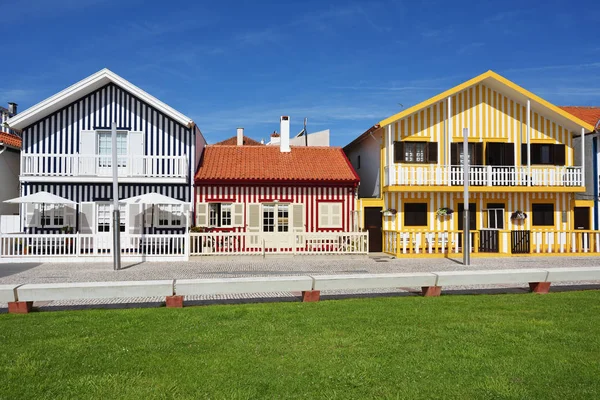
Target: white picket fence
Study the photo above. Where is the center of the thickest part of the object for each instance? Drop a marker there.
(20, 247)
(262, 243)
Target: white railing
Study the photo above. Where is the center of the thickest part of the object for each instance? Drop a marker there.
(426, 242)
(484, 175)
(261, 243)
(573, 242)
(76, 165)
(77, 246)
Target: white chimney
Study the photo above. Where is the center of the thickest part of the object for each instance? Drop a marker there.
(284, 131)
(240, 136)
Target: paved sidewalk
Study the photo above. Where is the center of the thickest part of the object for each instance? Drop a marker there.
(229, 268)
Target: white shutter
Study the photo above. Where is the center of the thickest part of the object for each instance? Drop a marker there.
(298, 217)
(87, 217)
(323, 215)
(69, 219)
(335, 215)
(32, 215)
(135, 219)
(136, 152)
(87, 149)
(202, 214)
(254, 218)
(237, 210)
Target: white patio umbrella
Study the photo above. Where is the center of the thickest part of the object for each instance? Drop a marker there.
(153, 198)
(42, 198)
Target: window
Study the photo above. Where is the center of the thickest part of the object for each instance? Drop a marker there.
(475, 156)
(169, 215)
(104, 217)
(415, 214)
(105, 149)
(494, 216)
(415, 152)
(220, 214)
(544, 154)
(268, 218)
(330, 215)
(543, 214)
(52, 215)
(283, 217)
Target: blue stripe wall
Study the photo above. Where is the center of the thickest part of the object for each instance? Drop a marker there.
(58, 133)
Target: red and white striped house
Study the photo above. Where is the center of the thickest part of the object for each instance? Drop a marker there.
(241, 188)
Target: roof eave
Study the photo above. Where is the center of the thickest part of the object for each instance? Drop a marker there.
(83, 87)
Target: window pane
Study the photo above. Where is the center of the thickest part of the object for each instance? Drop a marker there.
(415, 214)
(282, 218)
(420, 152)
(409, 152)
(543, 214)
(226, 214)
(213, 214)
(545, 156)
(268, 218)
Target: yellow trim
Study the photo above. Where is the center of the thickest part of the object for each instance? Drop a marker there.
(496, 140)
(476, 80)
(583, 203)
(485, 189)
(413, 138)
(371, 202)
(542, 141)
(460, 139)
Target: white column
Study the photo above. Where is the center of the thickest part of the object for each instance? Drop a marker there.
(583, 156)
(528, 142)
(449, 140)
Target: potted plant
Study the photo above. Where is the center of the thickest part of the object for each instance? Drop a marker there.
(518, 216)
(390, 212)
(444, 212)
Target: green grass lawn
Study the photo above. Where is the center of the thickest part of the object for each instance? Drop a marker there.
(492, 346)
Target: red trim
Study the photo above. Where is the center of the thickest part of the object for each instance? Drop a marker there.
(275, 199)
(221, 200)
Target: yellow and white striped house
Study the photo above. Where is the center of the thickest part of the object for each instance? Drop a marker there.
(523, 174)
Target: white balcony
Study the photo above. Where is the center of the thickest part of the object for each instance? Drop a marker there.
(98, 168)
(484, 175)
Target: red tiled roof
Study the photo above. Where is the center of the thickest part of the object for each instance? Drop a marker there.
(10, 139)
(591, 115)
(232, 141)
(268, 163)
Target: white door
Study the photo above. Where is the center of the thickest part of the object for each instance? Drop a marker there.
(103, 228)
(276, 226)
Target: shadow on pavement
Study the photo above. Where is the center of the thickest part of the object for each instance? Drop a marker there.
(16, 268)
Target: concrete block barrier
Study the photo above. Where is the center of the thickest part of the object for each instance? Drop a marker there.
(490, 277)
(187, 287)
(573, 274)
(94, 290)
(372, 281)
(8, 293)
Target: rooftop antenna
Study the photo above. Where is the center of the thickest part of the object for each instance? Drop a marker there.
(305, 133)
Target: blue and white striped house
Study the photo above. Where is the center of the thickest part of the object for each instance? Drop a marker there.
(67, 151)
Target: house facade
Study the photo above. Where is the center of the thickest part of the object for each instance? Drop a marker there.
(67, 151)
(523, 174)
(591, 115)
(275, 190)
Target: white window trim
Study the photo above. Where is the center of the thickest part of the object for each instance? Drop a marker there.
(487, 211)
(276, 217)
(124, 213)
(49, 211)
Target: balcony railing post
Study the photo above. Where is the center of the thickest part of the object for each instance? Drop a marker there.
(489, 175)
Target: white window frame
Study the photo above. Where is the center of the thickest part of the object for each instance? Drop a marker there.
(326, 209)
(169, 213)
(217, 215)
(495, 213)
(121, 156)
(101, 207)
(51, 212)
(278, 222)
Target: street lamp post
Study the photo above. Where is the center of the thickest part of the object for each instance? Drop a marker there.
(466, 230)
(116, 214)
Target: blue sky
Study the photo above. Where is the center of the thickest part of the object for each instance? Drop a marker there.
(344, 65)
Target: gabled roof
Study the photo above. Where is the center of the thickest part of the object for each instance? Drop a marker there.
(84, 87)
(10, 140)
(497, 82)
(228, 164)
(590, 114)
(232, 141)
(363, 136)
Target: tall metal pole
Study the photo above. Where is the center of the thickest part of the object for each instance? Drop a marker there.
(466, 231)
(116, 216)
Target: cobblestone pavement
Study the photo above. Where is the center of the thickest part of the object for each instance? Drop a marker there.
(240, 267)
